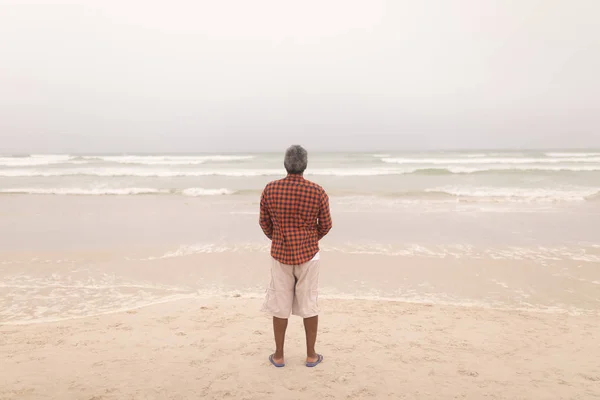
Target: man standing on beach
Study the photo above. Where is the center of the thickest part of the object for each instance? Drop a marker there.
(294, 214)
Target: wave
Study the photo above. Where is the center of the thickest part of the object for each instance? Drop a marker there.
(573, 154)
(505, 169)
(476, 155)
(537, 254)
(340, 172)
(195, 192)
(84, 192)
(593, 197)
(139, 172)
(476, 160)
(467, 195)
(167, 160)
(192, 192)
(41, 160)
(441, 194)
(345, 172)
(169, 173)
(381, 155)
(516, 194)
(34, 160)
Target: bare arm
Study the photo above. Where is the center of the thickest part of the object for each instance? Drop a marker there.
(265, 221)
(324, 222)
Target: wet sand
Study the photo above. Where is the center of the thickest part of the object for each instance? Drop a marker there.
(59, 286)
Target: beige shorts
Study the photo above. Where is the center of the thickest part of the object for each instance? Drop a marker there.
(293, 290)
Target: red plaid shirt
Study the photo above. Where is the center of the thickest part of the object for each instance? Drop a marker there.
(294, 214)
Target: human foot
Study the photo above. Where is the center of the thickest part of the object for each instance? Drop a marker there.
(278, 362)
(313, 361)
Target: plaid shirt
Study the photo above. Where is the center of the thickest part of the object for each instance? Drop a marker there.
(294, 214)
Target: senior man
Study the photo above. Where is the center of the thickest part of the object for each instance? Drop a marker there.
(294, 214)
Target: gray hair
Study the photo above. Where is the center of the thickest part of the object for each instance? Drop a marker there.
(296, 160)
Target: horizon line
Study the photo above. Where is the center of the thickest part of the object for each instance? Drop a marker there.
(416, 150)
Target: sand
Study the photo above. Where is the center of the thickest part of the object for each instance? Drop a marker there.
(134, 298)
(217, 348)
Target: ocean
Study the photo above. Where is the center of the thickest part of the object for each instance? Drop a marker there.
(434, 177)
(84, 235)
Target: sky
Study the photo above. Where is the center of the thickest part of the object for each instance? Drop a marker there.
(332, 75)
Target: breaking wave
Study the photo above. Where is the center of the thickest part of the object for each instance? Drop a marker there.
(193, 192)
(48, 159)
(341, 172)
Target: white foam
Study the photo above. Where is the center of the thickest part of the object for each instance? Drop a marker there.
(457, 251)
(34, 160)
(507, 154)
(90, 311)
(139, 172)
(168, 160)
(440, 300)
(221, 158)
(535, 254)
(84, 192)
(357, 172)
(573, 154)
(342, 172)
(195, 192)
(550, 168)
(171, 173)
(476, 155)
(208, 248)
(485, 160)
(152, 161)
(192, 192)
(24, 315)
(52, 159)
(519, 194)
(499, 283)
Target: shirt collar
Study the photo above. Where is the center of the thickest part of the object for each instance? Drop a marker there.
(295, 177)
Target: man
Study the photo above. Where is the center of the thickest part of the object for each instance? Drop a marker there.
(294, 214)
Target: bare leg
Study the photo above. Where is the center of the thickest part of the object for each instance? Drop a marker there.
(310, 327)
(279, 328)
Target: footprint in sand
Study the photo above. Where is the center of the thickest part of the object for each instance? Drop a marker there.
(593, 378)
(465, 372)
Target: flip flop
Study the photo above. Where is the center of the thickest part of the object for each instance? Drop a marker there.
(314, 364)
(274, 363)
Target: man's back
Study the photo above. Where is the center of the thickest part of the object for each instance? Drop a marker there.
(294, 214)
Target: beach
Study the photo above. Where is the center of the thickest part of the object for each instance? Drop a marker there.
(463, 275)
(217, 348)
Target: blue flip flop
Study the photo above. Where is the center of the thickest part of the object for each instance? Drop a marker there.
(274, 363)
(314, 364)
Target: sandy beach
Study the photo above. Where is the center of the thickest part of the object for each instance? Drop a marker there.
(217, 348)
(157, 296)
(153, 167)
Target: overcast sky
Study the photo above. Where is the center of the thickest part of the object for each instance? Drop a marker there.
(241, 75)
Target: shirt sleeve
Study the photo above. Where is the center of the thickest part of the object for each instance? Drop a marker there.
(324, 223)
(265, 221)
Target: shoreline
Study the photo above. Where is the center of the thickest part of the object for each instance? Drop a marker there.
(63, 285)
(475, 307)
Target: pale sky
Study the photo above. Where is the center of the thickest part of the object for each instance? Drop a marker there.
(241, 75)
